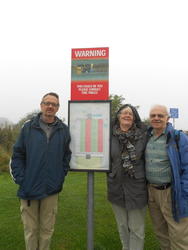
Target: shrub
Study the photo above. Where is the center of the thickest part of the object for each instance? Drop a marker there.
(4, 160)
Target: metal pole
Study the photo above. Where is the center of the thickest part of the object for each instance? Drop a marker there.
(174, 122)
(90, 210)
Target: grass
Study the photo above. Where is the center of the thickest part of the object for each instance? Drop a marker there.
(71, 223)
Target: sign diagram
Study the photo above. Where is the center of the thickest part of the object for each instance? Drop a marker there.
(89, 124)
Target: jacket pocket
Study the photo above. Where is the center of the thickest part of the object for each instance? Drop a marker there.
(139, 175)
(112, 174)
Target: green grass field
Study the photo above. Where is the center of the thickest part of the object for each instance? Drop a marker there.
(71, 224)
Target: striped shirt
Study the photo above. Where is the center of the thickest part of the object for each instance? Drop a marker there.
(158, 170)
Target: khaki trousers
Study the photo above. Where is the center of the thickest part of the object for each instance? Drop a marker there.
(171, 235)
(131, 227)
(39, 219)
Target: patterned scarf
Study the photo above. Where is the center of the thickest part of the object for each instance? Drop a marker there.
(128, 152)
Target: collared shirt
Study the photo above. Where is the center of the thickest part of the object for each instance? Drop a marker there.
(158, 170)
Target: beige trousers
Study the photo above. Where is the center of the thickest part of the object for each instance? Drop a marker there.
(171, 235)
(39, 219)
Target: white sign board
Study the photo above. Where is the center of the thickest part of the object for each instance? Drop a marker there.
(89, 124)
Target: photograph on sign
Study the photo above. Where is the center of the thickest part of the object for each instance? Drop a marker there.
(89, 70)
(89, 74)
(89, 124)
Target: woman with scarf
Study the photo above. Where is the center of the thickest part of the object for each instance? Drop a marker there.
(127, 189)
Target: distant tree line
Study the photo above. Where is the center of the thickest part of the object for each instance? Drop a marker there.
(8, 135)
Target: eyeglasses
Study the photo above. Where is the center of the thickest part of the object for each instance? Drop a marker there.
(55, 105)
(157, 115)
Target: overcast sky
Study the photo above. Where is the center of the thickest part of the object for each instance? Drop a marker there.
(147, 40)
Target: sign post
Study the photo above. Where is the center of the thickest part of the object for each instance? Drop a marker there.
(89, 120)
(90, 210)
(174, 113)
(89, 124)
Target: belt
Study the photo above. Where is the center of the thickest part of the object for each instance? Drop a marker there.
(161, 187)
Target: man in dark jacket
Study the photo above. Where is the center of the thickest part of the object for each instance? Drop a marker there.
(39, 164)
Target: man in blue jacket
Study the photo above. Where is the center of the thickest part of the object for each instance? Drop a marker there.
(167, 175)
(39, 164)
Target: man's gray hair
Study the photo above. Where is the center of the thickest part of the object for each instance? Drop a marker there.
(163, 107)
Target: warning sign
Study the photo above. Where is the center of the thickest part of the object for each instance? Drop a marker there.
(89, 74)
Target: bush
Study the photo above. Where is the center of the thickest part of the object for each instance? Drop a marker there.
(4, 160)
